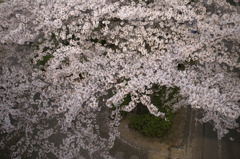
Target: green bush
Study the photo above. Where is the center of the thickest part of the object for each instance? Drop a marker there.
(148, 124)
(44, 60)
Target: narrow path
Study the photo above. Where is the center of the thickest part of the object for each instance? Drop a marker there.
(199, 142)
(172, 145)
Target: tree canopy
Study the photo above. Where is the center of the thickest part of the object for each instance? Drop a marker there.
(63, 62)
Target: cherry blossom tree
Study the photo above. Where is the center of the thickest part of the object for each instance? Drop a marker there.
(63, 62)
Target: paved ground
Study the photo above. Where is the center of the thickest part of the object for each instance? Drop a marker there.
(205, 145)
(172, 145)
(199, 142)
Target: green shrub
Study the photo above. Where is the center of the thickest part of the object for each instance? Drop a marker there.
(146, 123)
(151, 125)
(44, 60)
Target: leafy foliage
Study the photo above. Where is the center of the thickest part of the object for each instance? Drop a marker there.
(145, 122)
(151, 125)
(44, 60)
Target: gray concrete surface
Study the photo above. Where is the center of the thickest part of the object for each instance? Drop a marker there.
(205, 145)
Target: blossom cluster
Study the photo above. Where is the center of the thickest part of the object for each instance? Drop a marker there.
(99, 52)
